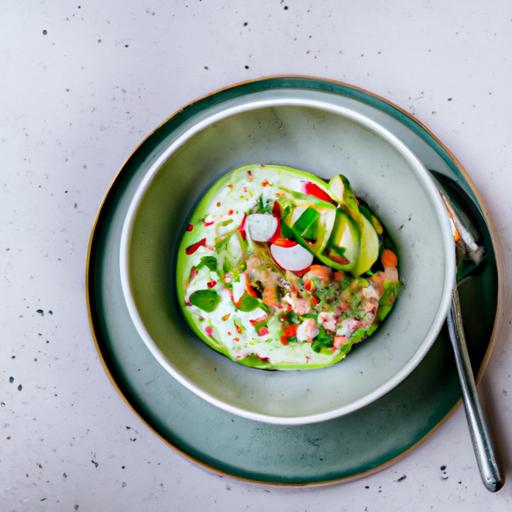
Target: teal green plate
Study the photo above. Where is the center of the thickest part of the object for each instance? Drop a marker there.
(347, 447)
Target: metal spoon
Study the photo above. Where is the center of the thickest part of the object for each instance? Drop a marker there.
(467, 248)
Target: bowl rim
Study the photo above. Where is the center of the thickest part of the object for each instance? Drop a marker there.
(428, 185)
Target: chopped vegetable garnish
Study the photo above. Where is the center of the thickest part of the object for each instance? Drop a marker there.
(290, 275)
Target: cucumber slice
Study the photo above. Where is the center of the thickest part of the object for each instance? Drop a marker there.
(231, 251)
(305, 220)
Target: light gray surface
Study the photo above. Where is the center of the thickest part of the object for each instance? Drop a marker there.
(73, 104)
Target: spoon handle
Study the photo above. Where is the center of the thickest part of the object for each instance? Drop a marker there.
(478, 430)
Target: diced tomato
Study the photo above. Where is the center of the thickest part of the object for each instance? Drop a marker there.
(231, 211)
(263, 331)
(284, 340)
(314, 300)
(211, 283)
(290, 331)
(314, 190)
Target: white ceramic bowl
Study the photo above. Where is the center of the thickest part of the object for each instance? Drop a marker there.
(308, 130)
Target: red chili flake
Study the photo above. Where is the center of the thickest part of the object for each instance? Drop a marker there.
(193, 273)
(255, 321)
(284, 340)
(226, 317)
(239, 329)
(236, 339)
(314, 300)
(209, 223)
(250, 176)
(264, 359)
(211, 283)
(189, 227)
(231, 211)
(265, 183)
(314, 190)
(283, 242)
(245, 189)
(340, 259)
(191, 249)
(209, 330)
(229, 333)
(217, 204)
(263, 331)
(230, 186)
(308, 285)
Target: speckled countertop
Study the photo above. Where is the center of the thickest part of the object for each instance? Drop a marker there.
(80, 84)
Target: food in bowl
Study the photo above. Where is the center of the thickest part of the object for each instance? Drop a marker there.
(279, 269)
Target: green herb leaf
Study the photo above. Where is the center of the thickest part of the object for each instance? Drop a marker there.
(207, 300)
(248, 303)
(208, 261)
(323, 339)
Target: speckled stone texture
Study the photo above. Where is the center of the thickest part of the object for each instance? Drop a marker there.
(80, 84)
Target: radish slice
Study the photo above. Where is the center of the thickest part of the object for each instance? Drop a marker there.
(239, 288)
(261, 226)
(291, 258)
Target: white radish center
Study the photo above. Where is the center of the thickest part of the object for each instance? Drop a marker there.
(261, 226)
(291, 258)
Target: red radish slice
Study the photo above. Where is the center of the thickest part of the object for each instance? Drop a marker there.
(293, 258)
(261, 226)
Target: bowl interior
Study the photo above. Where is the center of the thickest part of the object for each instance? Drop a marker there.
(324, 143)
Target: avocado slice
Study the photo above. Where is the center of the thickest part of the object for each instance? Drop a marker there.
(341, 191)
(369, 247)
(345, 240)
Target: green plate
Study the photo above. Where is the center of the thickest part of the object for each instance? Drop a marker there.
(343, 448)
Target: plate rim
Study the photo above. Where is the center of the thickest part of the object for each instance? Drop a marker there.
(480, 203)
